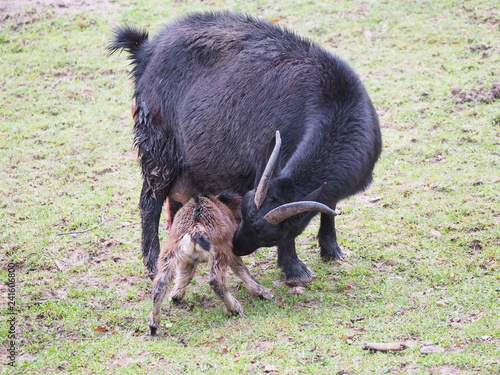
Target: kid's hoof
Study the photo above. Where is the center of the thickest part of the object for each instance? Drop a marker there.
(297, 290)
(177, 300)
(153, 331)
(265, 293)
(235, 310)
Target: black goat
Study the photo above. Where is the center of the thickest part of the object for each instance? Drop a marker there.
(211, 90)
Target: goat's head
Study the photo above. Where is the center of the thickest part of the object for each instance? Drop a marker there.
(266, 218)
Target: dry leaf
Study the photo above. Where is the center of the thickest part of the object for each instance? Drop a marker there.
(351, 284)
(101, 329)
(347, 339)
(430, 349)
(280, 302)
(81, 24)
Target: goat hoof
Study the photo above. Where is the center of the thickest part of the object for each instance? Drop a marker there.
(331, 253)
(151, 274)
(299, 280)
(265, 294)
(235, 310)
(297, 290)
(153, 331)
(330, 258)
(176, 300)
(298, 275)
(296, 283)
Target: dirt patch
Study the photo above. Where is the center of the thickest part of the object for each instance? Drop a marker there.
(446, 370)
(404, 368)
(484, 94)
(11, 7)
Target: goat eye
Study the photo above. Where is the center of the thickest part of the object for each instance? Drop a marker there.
(258, 226)
(263, 225)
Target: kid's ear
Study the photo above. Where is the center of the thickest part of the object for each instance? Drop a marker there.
(230, 199)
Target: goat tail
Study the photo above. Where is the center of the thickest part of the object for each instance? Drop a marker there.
(130, 39)
(202, 240)
(193, 247)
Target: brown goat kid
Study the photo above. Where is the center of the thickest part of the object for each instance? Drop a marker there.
(202, 231)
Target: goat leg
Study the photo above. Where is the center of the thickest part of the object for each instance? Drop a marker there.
(218, 284)
(253, 286)
(184, 273)
(296, 272)
(160, 289)
(151, 205)
(327, 239)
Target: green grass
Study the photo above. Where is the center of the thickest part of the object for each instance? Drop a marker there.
(422, 259)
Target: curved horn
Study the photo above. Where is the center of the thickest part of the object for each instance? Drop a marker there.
(285, 211)
(261, 191)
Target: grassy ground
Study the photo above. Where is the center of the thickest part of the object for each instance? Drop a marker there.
(422, 244)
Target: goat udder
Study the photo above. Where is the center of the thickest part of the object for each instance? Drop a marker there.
(182, 189)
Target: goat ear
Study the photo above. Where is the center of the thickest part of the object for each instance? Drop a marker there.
(230, 199)
(262, 167)
(315, 194)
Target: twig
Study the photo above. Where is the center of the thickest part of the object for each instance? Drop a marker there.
(384, 347)
(56, 83)
(58, 265)
(79, 231)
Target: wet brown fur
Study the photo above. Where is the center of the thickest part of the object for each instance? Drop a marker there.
(202, 231)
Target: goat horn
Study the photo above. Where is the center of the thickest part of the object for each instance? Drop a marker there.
(261, 191)
(285, 211)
